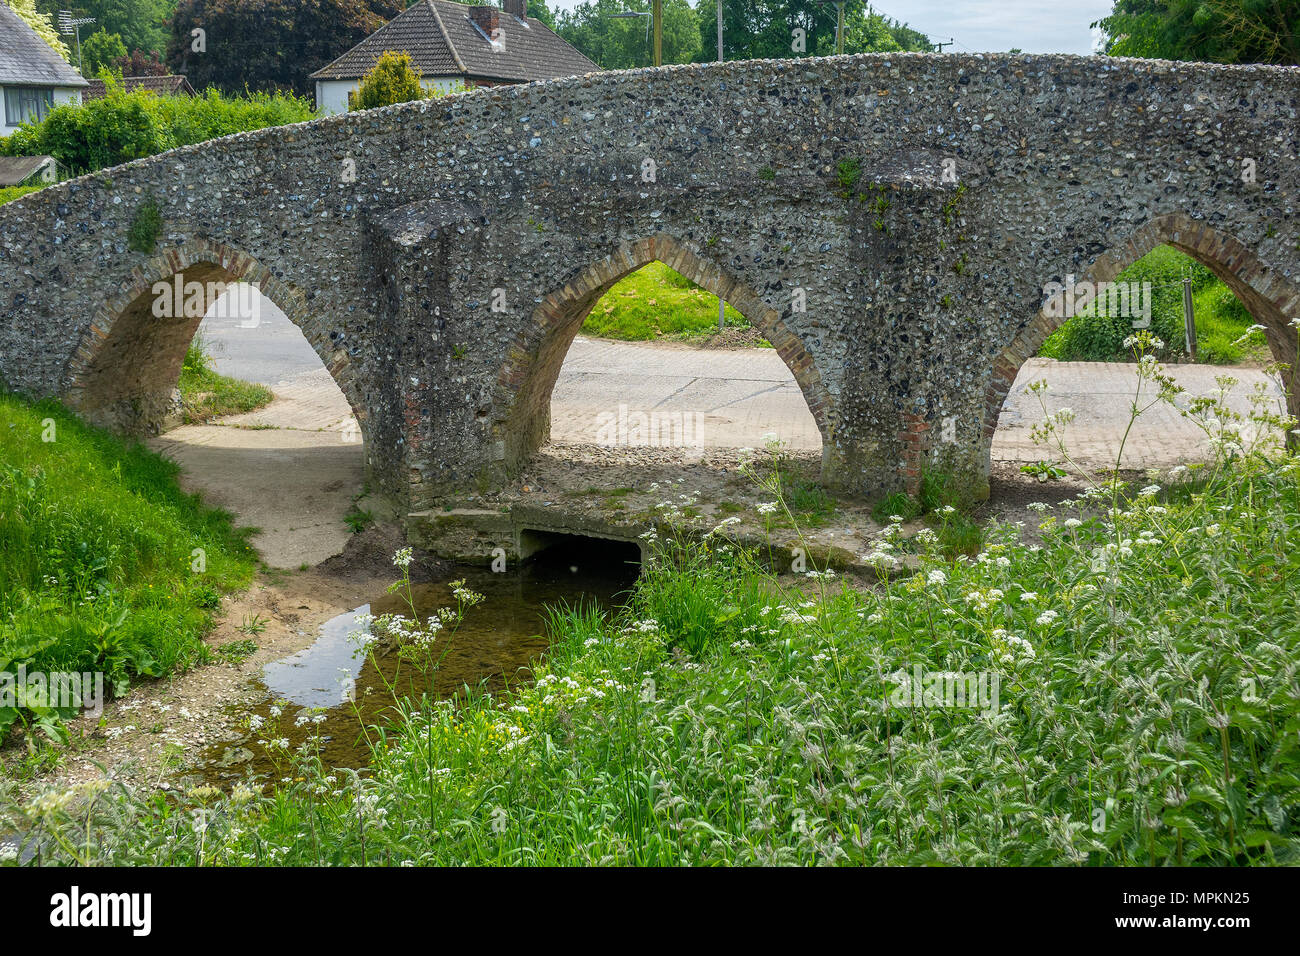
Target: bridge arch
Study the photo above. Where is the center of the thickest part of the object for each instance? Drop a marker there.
(533, 364)
(1268, 296)
(124, 371)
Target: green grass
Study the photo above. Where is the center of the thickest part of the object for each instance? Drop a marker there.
(358, 519)
(1145, 715)
(104, 563)
(236, 652)
(811, 504)
(10, 193)
(657, 302)
(1220, 318)
(947, 506)
(207, 395)
(1133, 665)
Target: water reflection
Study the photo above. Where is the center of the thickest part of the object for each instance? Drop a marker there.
(494, 647)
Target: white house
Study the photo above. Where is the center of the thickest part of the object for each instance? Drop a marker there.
(454, 46)
(33, 78)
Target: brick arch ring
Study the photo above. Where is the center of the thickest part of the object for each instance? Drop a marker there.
(1269, 297)
(533, 363)
(206, 260)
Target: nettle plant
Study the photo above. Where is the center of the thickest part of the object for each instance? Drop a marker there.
(1142, 655)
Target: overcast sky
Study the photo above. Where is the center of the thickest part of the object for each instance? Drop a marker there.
(1035, 26)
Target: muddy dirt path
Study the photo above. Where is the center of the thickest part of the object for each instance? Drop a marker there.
(291, 469)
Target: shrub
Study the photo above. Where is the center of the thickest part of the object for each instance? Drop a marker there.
(125, 126)
(393, 79)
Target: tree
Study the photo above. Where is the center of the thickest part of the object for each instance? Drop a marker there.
(538, 10)
(777, 29)
(101, 51)
(268, 44)
(392, 80)
(140, 23)
(1213, 31)
(620, 44)
(42, 23)
(141, 64)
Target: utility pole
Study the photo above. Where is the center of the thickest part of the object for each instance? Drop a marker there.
(657, 11)
(722, 306)
(719, 31)
(839, 22)
(938, 47)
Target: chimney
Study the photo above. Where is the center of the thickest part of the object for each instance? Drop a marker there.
(517, 8)
(487, 19)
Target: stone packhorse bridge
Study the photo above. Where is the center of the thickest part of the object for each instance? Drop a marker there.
(888, 222)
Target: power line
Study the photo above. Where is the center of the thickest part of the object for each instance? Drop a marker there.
(872, 8)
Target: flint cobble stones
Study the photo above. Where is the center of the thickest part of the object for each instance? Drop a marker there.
(440, 255)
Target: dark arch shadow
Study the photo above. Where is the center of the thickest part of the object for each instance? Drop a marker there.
(123, 372)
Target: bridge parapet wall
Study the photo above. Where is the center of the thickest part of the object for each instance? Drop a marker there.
(890, 221)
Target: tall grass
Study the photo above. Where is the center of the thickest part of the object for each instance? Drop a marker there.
(104, 563)
(1140, 707)
(1146, 716)
(206, 394)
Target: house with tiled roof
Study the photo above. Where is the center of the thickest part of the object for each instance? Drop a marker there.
(454, 45)
(169, 85)
(33, 78)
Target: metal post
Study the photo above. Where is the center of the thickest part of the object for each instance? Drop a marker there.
(1189, 317)
(657, 11)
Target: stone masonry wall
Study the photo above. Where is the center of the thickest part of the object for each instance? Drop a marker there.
(888, 221)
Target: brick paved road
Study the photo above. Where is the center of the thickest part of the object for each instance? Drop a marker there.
(741, 395)
(745, 394)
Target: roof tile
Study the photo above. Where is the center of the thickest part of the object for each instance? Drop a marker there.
(443, 41)
(27, 59)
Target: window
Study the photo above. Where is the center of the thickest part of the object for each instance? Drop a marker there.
(27, 103)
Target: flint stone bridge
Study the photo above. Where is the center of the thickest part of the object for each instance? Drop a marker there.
(889, 222)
